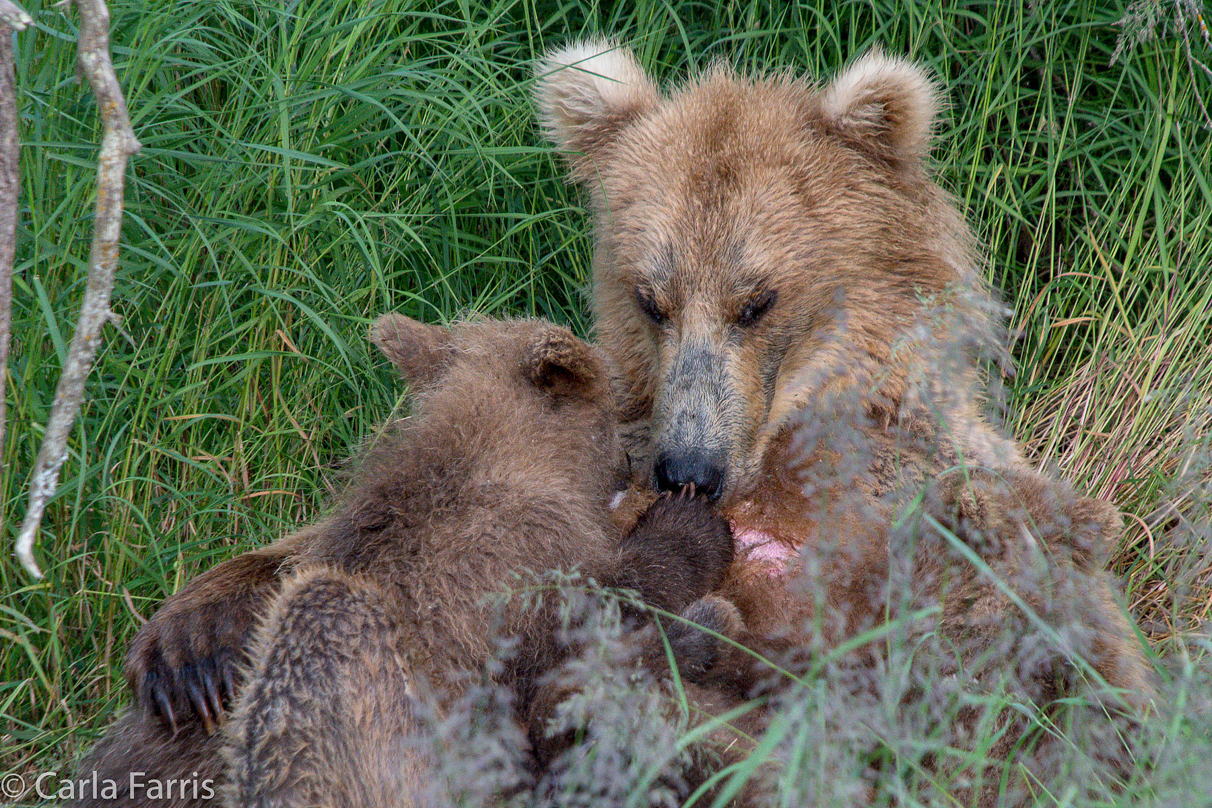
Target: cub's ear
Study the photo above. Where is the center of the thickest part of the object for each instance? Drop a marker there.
(883, 105)
(586, 93)
(419, 351)
(1095, 528)
(562, 365)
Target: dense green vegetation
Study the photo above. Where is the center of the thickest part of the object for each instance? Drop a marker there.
(308, 165)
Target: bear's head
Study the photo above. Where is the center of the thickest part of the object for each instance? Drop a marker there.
(759, 242)
(524, 398)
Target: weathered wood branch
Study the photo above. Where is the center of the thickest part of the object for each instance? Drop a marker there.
(11, 18)
(14, 17)
(118, 142)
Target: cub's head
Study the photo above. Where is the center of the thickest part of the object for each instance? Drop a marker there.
(523, 399)
(760, 241)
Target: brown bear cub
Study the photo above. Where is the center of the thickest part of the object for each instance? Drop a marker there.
(799, 316)
(511, 464)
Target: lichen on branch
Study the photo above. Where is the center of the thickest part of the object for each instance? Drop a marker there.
(118, 142)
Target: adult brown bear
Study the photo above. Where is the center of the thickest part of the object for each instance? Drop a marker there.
(799, 317)
(798, 313)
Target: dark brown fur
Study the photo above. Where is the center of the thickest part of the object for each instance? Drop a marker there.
(510, 463)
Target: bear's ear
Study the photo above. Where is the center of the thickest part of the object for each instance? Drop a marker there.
(419, 351)
(1095, 527)
(883, 105)
(586, 93)
(562, 365)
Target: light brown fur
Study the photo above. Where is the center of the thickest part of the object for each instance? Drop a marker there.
(510, 465)
(799, 316)
(735, 186)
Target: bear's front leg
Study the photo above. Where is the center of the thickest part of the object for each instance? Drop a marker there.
(678, 551)
(710, 646)
(184, 663)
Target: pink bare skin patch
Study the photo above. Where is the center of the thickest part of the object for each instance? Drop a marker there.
(757, 545)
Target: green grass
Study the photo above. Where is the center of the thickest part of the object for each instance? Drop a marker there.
(307, 166)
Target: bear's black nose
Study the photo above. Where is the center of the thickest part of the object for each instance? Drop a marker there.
(703, 470)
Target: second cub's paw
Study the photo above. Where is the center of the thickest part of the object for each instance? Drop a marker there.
(686, 529)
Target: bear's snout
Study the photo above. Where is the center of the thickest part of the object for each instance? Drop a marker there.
(704, 470)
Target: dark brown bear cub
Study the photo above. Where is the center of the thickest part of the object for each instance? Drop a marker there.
(510, 463)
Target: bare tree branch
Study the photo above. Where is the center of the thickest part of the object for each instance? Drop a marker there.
(11, 17)
(117, 144)
(14, 17)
